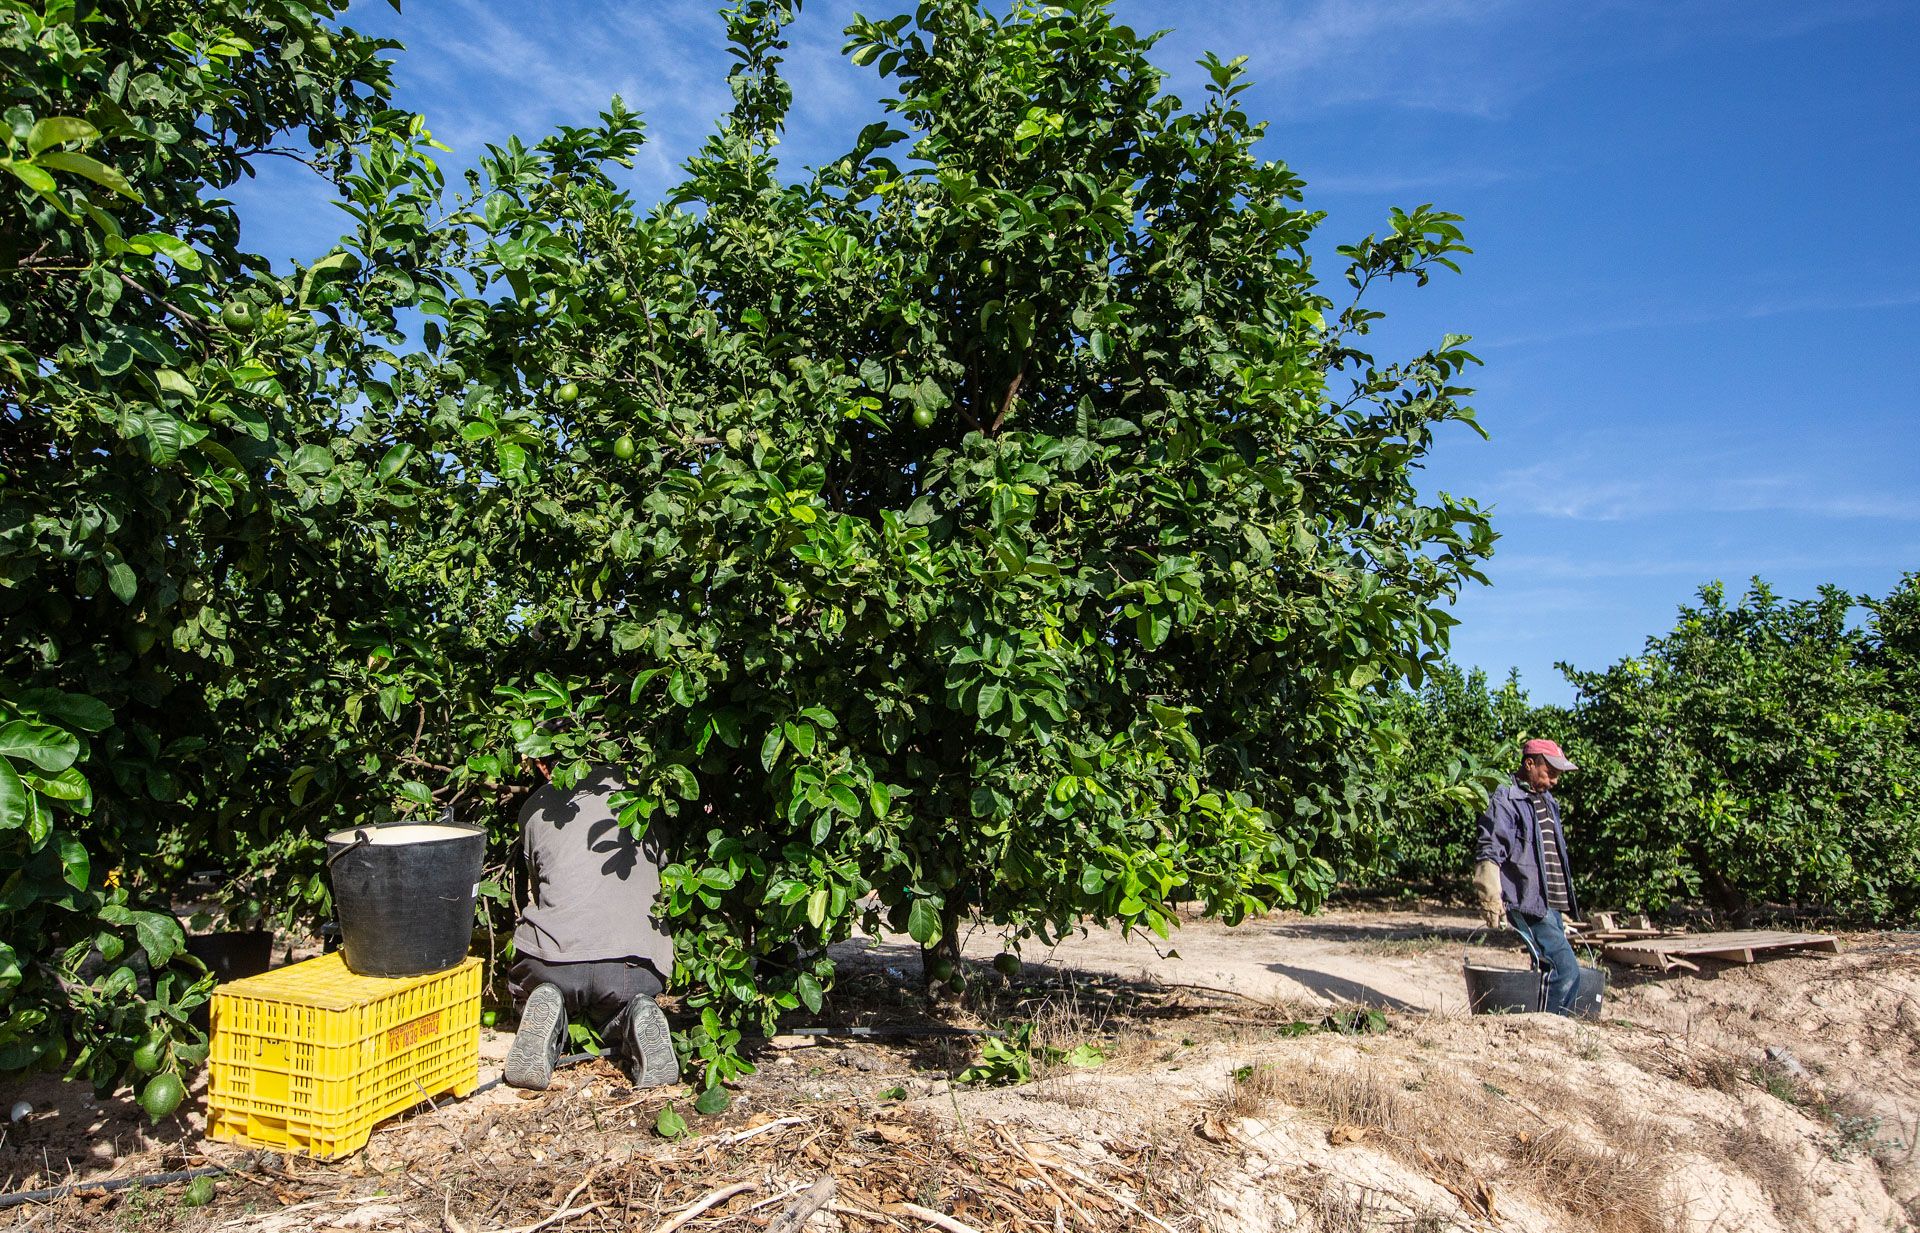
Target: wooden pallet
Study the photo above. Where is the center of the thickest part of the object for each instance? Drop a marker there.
(1668, 953)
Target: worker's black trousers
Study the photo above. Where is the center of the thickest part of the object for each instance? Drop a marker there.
(597, 990)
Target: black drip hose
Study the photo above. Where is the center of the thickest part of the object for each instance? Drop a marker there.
(48, 1195)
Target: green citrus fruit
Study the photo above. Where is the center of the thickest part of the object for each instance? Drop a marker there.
(923, 417)
(162, 1095)
(623, 447)
(568, 392)
(1007, 963)
(941, 969)
(147, 1058)
(616, 294)
(238, 316)
(489, 1017)
(947, 877)
(199, 1193)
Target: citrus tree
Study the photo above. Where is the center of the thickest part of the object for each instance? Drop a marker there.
(192, 494)
(1460, 739)
(1753, 755)
(1002, 518)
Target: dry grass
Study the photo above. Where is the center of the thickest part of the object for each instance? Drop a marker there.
(1336, 1206)
(1611, 1188)
(1450, 1131)
(1772, 1164)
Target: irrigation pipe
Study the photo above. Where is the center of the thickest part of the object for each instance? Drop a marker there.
(20, 1198)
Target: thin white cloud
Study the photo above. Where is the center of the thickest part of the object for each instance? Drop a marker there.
(1560, 489)
(1409, 181)
(1417, 54)
(1669, 319)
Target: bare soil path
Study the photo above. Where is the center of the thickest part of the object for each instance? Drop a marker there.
(1783, 1096)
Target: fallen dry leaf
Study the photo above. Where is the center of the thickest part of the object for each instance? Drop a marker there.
(1213, 1130)
(1346, 1134)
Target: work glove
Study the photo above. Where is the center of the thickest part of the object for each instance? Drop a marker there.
(1486, 890)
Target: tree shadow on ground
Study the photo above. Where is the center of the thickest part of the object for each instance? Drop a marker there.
(1340, 989)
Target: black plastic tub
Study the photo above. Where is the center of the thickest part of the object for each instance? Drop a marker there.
(1504, 991)
(233, 954)
(1592, 992)
(403, 895)
(1515, 991)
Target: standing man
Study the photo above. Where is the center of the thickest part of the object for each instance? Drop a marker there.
(1520, 872)
(587, 943)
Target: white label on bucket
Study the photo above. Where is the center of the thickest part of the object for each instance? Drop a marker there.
(476, 890)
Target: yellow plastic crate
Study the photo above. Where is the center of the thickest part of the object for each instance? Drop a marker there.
(310, 1057)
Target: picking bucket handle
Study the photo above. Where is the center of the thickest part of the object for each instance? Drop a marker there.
(360, 840)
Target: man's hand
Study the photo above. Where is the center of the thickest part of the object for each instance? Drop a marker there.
(1486, 889)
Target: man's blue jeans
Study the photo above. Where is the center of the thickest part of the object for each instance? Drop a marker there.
(1546, 937)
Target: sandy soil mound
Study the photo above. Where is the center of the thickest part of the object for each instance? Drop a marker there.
(1232, 1081)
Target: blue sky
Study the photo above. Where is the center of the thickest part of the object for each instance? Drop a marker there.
(1697, 301)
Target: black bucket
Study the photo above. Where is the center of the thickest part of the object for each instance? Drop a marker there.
(1592, 991)
(404, 895)
(1504, 991)
(233, 954)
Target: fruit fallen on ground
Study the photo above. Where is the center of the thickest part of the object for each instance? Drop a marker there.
(488, 1018)
(199, 1193)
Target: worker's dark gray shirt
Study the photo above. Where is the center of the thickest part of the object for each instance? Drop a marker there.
(592, 885)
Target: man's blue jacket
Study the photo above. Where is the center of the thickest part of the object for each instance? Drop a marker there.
(1509, 838)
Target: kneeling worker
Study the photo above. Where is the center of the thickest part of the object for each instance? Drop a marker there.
(1520, 872)
(587, 943)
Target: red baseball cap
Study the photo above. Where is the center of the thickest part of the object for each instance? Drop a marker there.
(1549, 750)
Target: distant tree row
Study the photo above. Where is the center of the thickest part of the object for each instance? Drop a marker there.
(1762, 752)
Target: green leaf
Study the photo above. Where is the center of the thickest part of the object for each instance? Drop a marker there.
(92, 168)
(712, 1101)
(668, 1124)
(178, 251)
(844, 800)
(811, 994)
(16, 804)
(81, 711)
(685, 785)
(58, 130)
(74, 861)
(121, 582)
(923, 922)
(31, 176)
(394, 459)
(770, 748)
(50, 749)
(160, 936)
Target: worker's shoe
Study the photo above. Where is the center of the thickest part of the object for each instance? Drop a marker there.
(536, 1046)
(648, 1045)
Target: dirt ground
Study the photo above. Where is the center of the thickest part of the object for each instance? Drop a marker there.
(1229, 1080)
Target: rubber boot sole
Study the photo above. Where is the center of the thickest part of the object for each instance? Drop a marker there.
(651, 1043)
(535, 1046)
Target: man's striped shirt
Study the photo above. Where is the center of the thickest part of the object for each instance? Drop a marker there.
(1553, 860)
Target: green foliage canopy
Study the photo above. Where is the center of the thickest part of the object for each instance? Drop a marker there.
(187, 494)
(1008, 519)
